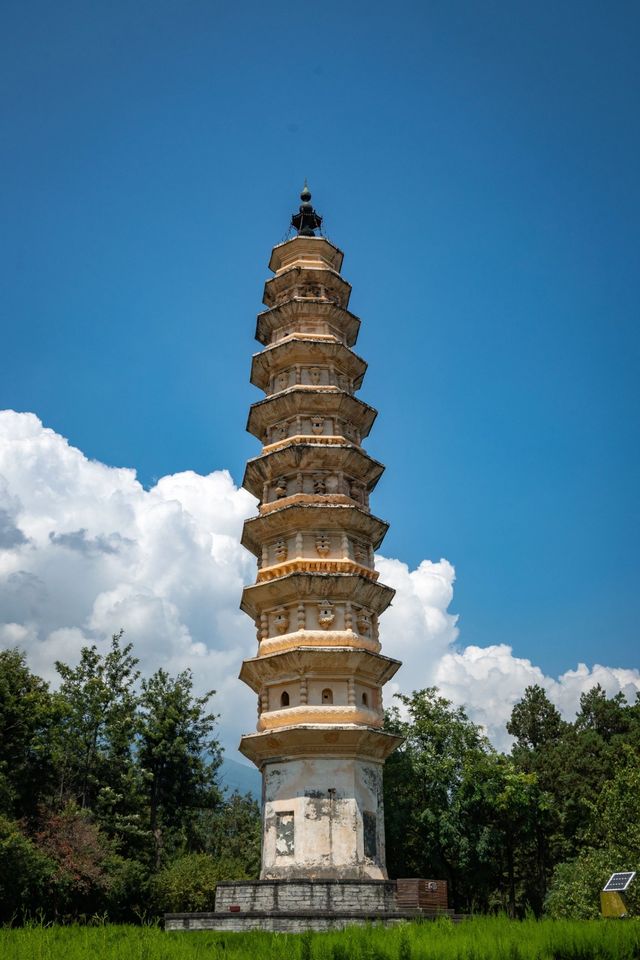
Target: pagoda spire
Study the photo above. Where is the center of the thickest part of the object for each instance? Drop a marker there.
(306, 221)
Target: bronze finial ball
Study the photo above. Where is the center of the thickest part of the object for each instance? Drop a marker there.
(306, 221)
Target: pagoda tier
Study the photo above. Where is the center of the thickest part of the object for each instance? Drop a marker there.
(298, 676)
(318, 673)
(321, 362)
(301, 467)
(307, 316)
(310, 411)
(307, 282)
(346, 532)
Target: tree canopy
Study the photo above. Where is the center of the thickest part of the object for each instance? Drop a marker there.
(110, 800)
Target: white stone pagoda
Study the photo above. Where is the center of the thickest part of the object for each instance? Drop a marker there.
(318, 672)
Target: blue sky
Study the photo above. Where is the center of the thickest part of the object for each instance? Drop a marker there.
(478, 164)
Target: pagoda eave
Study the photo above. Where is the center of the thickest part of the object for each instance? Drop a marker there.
(314, 660)
(318, 740)
(305, 250)
(333, 285)
(308, 454)
(316, 586)
(310, 401)
(347, 518)
(309, 315)
(307, 349)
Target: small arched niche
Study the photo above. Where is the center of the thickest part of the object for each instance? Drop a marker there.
(365, 700)
(327, 695)
(284, 699)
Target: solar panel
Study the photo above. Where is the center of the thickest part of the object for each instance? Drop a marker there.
(618, 882)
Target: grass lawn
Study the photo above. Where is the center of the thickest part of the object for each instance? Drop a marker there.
(490, 938)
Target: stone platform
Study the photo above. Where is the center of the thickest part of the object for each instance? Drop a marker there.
(293, 906)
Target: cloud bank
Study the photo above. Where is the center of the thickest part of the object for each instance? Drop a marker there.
(85, 550)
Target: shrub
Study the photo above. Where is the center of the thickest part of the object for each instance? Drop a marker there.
(189, 882)
(575, 887)
(25, 872)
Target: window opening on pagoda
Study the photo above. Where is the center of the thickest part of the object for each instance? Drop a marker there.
(365, 700)
(327, 696)
(284, 699)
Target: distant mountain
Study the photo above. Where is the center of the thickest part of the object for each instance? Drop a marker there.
(239, 778)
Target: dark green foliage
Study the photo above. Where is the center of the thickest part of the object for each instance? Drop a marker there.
(27, 717)
(109, 792)
(535, 722)
(178, 756)
(25, 872)
(499, 828)
(422, 780)
(232, 831)
(110, 805)
(189, 882)
(612, 843)
(94, 739)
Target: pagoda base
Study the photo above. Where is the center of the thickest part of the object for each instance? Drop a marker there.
(294, 906)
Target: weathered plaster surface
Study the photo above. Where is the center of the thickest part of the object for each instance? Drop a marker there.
(327, 799)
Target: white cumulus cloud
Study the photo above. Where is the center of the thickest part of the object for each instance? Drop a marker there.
(85, 550)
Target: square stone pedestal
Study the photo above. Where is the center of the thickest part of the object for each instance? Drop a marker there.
(293, 906)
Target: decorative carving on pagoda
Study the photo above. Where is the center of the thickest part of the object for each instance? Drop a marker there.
(281, 619)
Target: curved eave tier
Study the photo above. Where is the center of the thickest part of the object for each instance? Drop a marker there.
(297, 586)
(318, 740)
(305, 251)
(304, 311)
(310, 402)
(299, 280)
(318, 661)
(305, 350)
(312, 516)
(305, 456)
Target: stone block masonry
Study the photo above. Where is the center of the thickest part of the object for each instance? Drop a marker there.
(294, 906)
(371, 896)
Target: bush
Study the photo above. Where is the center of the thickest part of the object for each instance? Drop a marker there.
(127, 894)
(189, 883)
(25, 872)
(575, 888)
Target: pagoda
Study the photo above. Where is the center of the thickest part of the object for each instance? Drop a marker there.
(318, 672)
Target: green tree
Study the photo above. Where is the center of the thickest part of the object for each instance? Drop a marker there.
(426, 835)
(95, 738)
(179, 757)
(605, 716)
(612, 843)
(499, 808)
(27, 717)
(233, 832)
(535, 722)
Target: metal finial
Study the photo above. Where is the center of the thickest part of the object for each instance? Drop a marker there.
(306, 221)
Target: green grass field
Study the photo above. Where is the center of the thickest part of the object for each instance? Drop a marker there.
(478, 939)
